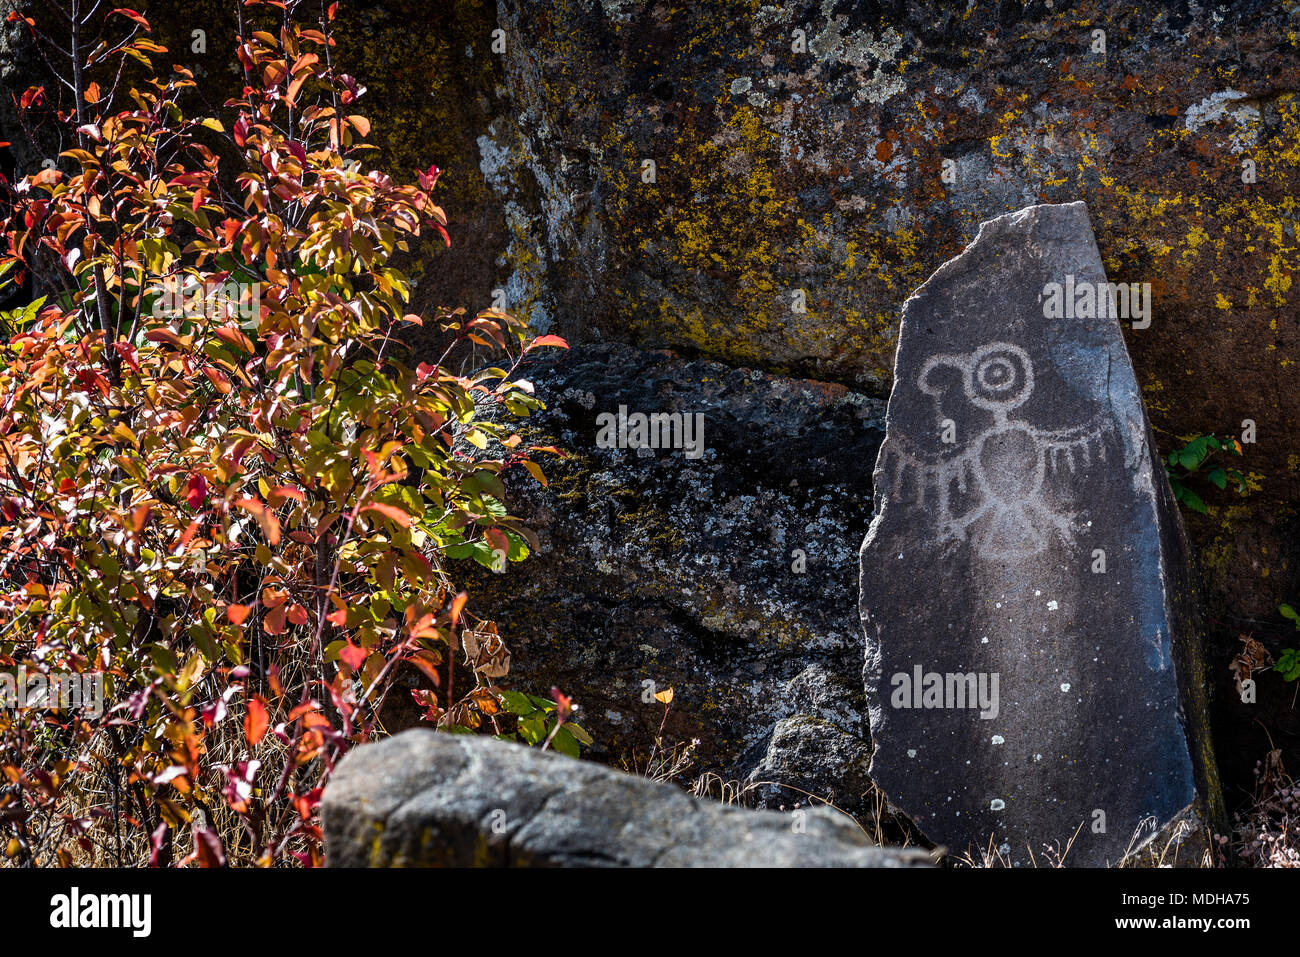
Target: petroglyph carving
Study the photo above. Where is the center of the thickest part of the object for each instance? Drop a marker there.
(990, 487)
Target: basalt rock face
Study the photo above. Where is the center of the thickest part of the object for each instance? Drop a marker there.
(730, 578)
(425, 799)
(1033, 664)
(799, 193)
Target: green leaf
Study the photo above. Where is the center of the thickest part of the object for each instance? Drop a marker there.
(564, 743)
(517, 703)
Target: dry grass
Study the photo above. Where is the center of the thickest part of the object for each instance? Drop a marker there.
(1267, 832)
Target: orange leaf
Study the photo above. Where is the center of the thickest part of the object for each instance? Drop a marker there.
(264, 517)
(554, 341)
(238, 614)
(273, 623)
(457, 605)
(427, 662)
(279, 494)
(360, 124)
(390, 512)
(352, 655)
(255, 721)
(220, 381)
(232, 335)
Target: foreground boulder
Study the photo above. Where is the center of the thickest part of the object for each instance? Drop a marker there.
(426, 798)
(1032, 668)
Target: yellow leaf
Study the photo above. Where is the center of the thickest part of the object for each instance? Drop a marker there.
(665, 696)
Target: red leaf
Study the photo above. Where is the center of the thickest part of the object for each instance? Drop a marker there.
(131, 15)
(240, 131)
(156, 842)
(427, 662)
(127, 351)
(197, 491)
(208, 848)
(427, 179)
(354, 656)
(255, 721)
(554, 341)
(238, 614)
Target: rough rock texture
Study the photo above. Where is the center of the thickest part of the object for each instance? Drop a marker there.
(430, 799)
(730, 578)
(782, 168)
(1033, 663)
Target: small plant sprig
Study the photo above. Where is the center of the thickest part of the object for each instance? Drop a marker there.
(1184, 465)
(1288, 662)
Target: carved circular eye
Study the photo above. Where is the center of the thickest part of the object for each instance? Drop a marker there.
(1000, 376)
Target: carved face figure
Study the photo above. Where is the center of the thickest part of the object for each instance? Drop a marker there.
(998, 376)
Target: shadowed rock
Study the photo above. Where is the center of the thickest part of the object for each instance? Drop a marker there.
(1032, 664)
(425, 798)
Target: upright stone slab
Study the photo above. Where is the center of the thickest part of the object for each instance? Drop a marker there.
(1032, 667)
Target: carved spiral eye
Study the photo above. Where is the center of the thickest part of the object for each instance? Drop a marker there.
(1000, 376)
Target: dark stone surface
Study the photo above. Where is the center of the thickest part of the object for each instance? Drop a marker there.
(981, 559)
(655, 567)
(425, 798)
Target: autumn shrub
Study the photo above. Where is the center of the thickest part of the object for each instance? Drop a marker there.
(223, 487)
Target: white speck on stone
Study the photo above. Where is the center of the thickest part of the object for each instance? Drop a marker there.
(741, 84)
(998, 739)
(613, 717)
(1052, 605)
(997, 804)
(911, 752)
(1038, 757)
(1065, 686)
